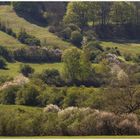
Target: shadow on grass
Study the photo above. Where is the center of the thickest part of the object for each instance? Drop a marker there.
(4, 68)
(122, 41)
(40, 21)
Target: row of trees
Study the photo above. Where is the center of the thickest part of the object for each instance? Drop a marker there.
(72, 121)
(22, 36)
(42, 12)
(103, 13)
(83, 12)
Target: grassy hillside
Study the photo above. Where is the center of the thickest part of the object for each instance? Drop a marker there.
(16, 107)
(129, 48)
(13, 68)
(8, 15)
(9, 42)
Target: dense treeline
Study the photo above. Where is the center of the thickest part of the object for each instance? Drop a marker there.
(43, 12)
(37, 54)
(72, 121)
(103, 13)
(107, 18)
(45, 89)
(32, 54)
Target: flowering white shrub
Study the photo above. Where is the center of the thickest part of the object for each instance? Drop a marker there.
(51, 108)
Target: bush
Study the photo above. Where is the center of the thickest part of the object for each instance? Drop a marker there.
(52, 77)
(128, 125)
(7, 54)
(128, 57)
(51, 108)
(8, 95)
(27, 95)
(51, 127)
(66, 33)
(4, 78)
(90, 35)
(26, 70)
(25, 38)
(51, 29)
(3, 63)
(74, 27)
(34, 54)
(137, 58)
(4, 27)
(52, 95)
(76, 38)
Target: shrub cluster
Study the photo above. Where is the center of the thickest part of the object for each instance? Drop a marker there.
(52, 77)
(32, 94)
(7, 54)
(37, 54)
(4, 27)
(3, 63)
(30, 40)
(70, 32)
(72, 121)
(23, 36)
(26, 70)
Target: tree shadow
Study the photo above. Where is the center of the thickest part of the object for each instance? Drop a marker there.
(4, 68)
(40, 21)
(122, 41)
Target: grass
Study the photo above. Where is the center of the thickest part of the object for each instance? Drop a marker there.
(8, 15)
(13, 68)
(15, 107)
(125, 48)
(9, 41)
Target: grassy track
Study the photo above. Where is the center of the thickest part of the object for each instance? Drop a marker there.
(129, 48)
(14, 107)
(13, 68)
(9, 42)
(8, 15)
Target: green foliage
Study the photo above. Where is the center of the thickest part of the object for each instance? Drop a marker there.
(27, 95)
(66, 33)
(51, 77)
(35, 54)
(5, 53)
(26, 70)
(77, 68)
(76, 13)
(121, 103)
(29, 8)
(3, 63)
(71, 59)
(51, 29)
(94, 50)
(8, 95)
(122, 12)
(72, 121)
(30, 40)
(4, 27)
(76, 38)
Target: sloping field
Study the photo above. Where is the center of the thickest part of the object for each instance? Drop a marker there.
(27, 109)
(14, 68)
(8, 15)
(126, 48)
(9, 41)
